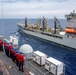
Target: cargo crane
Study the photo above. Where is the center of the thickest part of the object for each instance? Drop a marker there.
(56, 21)
(43, 21)
(25, 22)
(28, 23)
(45, 24)
(38, 23)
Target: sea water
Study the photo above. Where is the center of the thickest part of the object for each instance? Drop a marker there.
(61, 53)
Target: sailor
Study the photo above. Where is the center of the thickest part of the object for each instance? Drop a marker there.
(7, 49)
(4, 43)
(13, 55)
(21, 62)
(16, 51)
(5, 46)
(17, 57)
(1, 46)
(10, 48)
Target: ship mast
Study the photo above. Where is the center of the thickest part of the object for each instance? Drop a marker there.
(2, 26)
(56, 21)
(45, 24)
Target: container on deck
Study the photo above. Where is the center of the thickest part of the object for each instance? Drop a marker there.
(54, 66)
(39, 57)
(15, 41)
(11, 38)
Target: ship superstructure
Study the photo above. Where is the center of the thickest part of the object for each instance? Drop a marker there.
(71, 24)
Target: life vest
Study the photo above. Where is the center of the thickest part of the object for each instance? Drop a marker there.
(17, 56)
(6, 46)
(21, 58)
(4, 43)
(13, 52)
(10, 47)
(0, 43)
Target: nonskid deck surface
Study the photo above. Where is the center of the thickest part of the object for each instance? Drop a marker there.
(12, 69)
(35, 68)
(10, 66)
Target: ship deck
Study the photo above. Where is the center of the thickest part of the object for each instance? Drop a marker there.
(36, 68)
(9, 67)
(65, 42)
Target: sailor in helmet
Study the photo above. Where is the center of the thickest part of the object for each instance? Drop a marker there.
(21, 62)
(16, 57)
(1, 45)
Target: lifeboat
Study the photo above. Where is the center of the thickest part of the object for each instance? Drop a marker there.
(70, 30)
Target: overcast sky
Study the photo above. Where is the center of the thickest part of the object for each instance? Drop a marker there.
(36, 8)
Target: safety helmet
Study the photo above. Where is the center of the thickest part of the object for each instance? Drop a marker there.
(21, 53)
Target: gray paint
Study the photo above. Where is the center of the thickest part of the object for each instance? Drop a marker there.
(69, 42)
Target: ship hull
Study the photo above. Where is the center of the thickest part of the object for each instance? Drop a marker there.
(63, 41)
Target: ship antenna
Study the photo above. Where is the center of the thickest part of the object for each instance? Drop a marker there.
(73, 11)
(2, 26)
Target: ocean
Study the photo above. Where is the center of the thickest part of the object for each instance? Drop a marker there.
(61, 53)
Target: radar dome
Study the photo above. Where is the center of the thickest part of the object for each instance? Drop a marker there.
(26, 49)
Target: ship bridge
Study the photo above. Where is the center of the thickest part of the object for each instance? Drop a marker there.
(71, 15)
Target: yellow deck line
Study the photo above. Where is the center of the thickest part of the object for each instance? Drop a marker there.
(4, 67)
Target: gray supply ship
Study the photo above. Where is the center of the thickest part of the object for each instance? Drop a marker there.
(40, 29)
